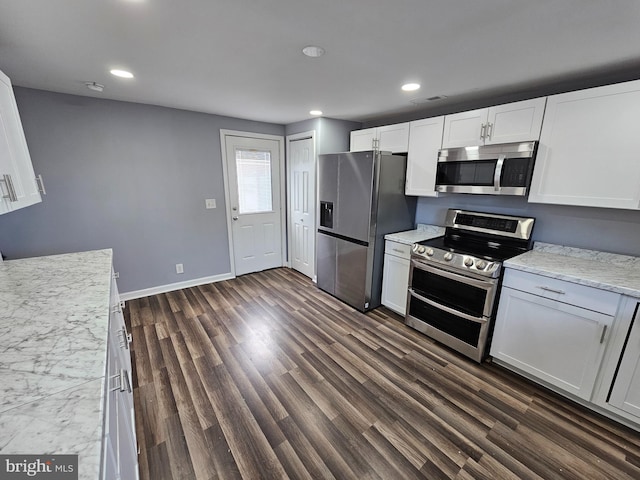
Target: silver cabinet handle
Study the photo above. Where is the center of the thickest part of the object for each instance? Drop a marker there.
(123, 384)
(489, 130)
(125, 338)
(604, 330)
(40, 183)
(552, 290)
(483, 131)
(11, 191)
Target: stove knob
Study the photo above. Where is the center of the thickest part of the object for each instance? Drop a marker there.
(468, 262)
(421, 249)
(481, 265)
(415, 247)
(448, 256)
(430, 252)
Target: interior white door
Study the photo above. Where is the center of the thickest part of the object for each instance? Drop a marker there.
(302, 212)
(255, 207)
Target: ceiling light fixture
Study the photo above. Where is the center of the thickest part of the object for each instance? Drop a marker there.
(410, 87)
(313, 51)
(96, 87)
(315, 112)
(121, 73)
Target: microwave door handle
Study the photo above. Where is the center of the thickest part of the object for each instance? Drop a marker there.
(498, 173)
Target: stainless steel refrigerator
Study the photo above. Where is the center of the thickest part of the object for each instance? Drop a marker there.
(361, 199)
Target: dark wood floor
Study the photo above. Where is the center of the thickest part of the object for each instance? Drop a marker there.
(265, 376)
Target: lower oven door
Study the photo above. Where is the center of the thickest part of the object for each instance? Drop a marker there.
(454, 309)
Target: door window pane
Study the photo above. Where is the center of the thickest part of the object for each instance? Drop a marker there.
(254, 181)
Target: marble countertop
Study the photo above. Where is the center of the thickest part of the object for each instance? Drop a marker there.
(54, 317)
(422, 232)
(606, 271)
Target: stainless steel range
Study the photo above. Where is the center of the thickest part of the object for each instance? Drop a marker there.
(454, 280)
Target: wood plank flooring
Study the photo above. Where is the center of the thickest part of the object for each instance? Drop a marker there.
(265, 376)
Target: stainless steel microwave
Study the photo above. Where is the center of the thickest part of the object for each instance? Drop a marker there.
(503, 169)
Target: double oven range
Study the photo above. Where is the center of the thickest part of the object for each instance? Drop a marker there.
(454, 280)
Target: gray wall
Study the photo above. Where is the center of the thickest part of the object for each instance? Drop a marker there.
(125, 176)
(603, 229)
(332, 135)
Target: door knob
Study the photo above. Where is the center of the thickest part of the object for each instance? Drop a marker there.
(235, 218)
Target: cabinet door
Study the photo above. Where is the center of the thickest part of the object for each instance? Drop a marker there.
(552, 341)
(515, 122)
(395, 282)
(425, 139)
(393, 138)
(625, 393)
(15, 161)
(464, 129)
(588, 152)
(362, 140)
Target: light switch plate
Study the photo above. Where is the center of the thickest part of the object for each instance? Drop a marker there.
(210, 203)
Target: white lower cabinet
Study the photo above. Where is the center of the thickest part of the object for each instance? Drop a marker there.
(619, 390)
(552, 330)
(395, 276)
(120, 453)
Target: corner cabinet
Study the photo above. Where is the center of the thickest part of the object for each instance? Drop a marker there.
(511, 122)
(120, 452)
(395, 276)
(388, 138)
(425, 140)
(553, 331)
(588, 152)
(18, 185)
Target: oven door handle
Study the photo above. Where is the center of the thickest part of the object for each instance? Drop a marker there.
(450, 310)
(487, 284)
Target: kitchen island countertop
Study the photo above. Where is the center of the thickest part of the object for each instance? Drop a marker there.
(606, 271)
(422, 232)
(53, 331)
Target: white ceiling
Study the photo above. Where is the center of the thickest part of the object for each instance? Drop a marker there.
(242, 58)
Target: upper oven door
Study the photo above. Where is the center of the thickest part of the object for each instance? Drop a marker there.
(469, 296)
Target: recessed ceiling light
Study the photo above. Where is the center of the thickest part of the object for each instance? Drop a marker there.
(410, 87)
(315, 112)
(96, 87)
(313, 51)
(121, 73)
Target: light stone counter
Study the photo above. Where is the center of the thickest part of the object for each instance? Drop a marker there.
(606, 271)
(54, 317)
(423, 232)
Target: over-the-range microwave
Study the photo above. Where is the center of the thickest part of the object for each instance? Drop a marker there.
(503, 169)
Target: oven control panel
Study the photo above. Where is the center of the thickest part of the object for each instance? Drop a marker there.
(456, 261)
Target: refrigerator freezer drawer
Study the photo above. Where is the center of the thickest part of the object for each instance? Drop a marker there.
(326, 262)
(352, 283)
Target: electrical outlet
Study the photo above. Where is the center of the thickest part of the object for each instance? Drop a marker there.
(179, 268)
(210, 203)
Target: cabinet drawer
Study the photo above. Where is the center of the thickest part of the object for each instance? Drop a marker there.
(560, 290)
(397, 249)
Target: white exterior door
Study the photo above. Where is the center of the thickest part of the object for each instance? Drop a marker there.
(302, 205)
(255, 206)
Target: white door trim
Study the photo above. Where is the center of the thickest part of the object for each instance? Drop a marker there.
(225, 173)
(299, 136)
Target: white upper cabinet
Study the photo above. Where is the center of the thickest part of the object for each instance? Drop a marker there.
(389, 138)
(425, 139)
(512, 122)
(18, 187)
(588, 152)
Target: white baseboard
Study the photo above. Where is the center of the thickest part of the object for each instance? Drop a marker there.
(147, 292)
